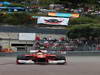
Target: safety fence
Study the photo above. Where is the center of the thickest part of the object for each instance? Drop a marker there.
(12, 54)
(66, 53)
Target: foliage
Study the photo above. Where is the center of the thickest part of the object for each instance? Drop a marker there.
(15, 5)
(84, 20)
(67, 3)
(81, 3)
(16, 19)
(85, 30)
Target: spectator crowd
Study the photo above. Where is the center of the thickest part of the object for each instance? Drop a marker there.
(69, 44)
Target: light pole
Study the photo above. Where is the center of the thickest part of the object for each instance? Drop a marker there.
(9, 41)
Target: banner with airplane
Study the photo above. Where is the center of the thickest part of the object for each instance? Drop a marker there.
(52, 20)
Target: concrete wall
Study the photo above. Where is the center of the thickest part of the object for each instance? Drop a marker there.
(8, 35)
(54, 36)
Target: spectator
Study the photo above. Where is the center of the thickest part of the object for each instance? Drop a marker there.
(37, 38)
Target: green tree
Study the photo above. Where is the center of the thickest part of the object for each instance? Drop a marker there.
(76, 3)
(17, 19)
(85, 31)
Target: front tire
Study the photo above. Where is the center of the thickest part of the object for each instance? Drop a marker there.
(61, 58)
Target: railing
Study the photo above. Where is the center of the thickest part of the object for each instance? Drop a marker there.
(66, 53)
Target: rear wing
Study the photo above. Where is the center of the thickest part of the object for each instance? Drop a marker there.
(34, 51)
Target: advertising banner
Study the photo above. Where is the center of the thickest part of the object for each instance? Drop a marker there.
(27, 36)
(73, 15)
(53, 20)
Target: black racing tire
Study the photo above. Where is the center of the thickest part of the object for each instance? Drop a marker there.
(61, 58)
(25, 58)
(20, 57)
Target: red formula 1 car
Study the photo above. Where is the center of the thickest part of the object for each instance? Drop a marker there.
(40, 57)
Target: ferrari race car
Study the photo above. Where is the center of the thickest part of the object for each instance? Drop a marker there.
(41, 57)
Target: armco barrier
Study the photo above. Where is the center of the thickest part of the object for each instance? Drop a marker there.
(12, 54)
(83, 53)
(67, 53)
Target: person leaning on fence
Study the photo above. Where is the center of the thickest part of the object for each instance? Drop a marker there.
(98, 47)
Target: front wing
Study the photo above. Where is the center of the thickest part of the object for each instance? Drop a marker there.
(33, 62)
(48, 59)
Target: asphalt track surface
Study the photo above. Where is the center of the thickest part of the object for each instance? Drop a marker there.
(77, 65)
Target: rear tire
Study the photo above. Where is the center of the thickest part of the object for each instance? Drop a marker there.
(60, 57)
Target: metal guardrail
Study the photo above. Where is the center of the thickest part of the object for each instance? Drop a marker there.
(83, 53)
(66, 53)
(13, 53)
